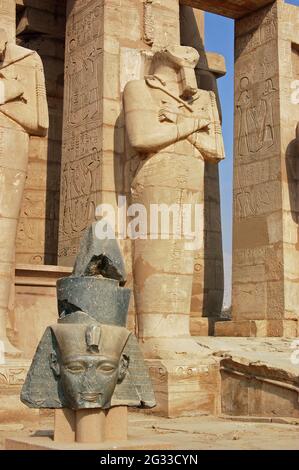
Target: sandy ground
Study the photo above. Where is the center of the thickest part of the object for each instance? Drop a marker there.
(199, 433)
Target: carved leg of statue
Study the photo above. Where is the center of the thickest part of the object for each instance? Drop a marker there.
(163, 269)
(13, 169)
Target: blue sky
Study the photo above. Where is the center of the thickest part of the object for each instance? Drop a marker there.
(220, 38)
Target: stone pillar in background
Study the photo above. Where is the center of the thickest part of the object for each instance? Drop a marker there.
(265, 248)
(41, 27)
(208, 283)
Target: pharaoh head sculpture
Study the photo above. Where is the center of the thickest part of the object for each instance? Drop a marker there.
(89, 362)
(89, 359)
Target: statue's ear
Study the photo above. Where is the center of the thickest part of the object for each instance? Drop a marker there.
(54, 364)
(123, 367)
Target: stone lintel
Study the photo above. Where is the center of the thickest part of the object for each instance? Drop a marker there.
(231, 8)
(215, 63)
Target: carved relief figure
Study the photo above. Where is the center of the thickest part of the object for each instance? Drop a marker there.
(78, 179)
(243, 105)
(256, 120)
(23, 112)
(174, 127)
(267, 129)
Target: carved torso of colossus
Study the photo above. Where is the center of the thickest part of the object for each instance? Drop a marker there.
(175, 128)
(23, 113)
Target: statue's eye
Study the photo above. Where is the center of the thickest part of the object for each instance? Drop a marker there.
(75, 368)
(108, 368)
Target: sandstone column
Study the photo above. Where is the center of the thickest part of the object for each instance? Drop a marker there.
(265, 247)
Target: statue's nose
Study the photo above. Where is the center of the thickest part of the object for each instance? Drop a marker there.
(90, 377)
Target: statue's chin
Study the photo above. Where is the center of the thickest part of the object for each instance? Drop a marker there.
(91, 397)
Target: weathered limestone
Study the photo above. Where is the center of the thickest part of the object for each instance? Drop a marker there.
(265, 251)
(231, 8)
(23, 113)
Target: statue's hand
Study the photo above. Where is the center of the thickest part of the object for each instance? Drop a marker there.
(169, 113)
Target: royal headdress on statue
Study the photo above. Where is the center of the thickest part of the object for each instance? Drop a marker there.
(89, 359)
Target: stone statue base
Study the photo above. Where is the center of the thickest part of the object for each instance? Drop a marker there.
(87, 429)
(91, 426)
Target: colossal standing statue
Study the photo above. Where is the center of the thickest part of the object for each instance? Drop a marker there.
(23, 113)
(175, 128)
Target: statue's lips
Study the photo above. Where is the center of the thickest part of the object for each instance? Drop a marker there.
(92, 397)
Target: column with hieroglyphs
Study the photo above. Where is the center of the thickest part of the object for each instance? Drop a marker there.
(107, 44)
(265, 247)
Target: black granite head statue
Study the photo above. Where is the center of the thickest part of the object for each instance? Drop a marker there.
(89, 359)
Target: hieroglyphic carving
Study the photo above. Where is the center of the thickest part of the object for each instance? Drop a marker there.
(257, 200)
(253, 32)
(12, 375)
(256, 172)
(81, 162)
(79, 181)
(256, 119)
(149, 27)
